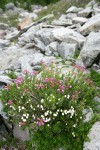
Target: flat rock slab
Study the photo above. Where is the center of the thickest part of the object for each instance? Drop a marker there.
(94, 136)
(91, 49)
(69, 36)
(92, 25)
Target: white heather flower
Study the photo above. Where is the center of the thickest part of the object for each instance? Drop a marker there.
(31, 106)
(48, 125)
(74, 125)
(81, 117)
(65, 96)
(58, 110)
(42, 100)
(27, 115)
(42, 116)
(62, 114)
(29, 100)
(47, 119)
(21, 96)
(68, 96)
(55, 115)
(24, 115)
(38, 106)
(66, 124)
(34, 109)
(46, 113)
(41, 106)
(23, 107)
(73, 134)
(33, 116)
(65, 111)
(24, 120)
(50, 112)
(58, 99)
(61, 110)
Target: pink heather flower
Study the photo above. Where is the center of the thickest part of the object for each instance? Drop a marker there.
(34, 72)
(22, 123)
(58, 90)
(18, 80)
(7, 87)
(46, 80)
(10, 102)
(82, 68)
(70, 86)
(25, 90)
(62, 91)
(40, 121)
(25, 72)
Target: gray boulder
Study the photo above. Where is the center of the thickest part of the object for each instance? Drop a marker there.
(80, 20)
(45, 35)
(1, 11)
(91, 49)
(85, 12)
(22, 135)
(9, 6)
(94, 136)
(71, 15)
(73, 9)
(66, 22)
(69, 36)
(66, 50)
(92, 25)
(51, 48)
(3, 26)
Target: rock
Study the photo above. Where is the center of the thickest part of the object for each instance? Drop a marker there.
(62, 17)
(3, 26)
(51, 48)
(2, 34)
(3, 129)
(27, 14)
(90, 4)
(92, 25)
(97, 99)
(88, 114)
(85, 12)
(5, 80)
(3, 44)
(36, 7)
(1, 11)
(45, 35)
(69, 36)
(73, 9)
(25, 22)
(96, 11)
(80, 20)
(91, 49)
(94, 136)
(65, 23)
(9, 6)
(39, 45)
(66, 50)
(71, 15)
(20, 134)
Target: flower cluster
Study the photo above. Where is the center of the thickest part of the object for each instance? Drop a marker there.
(51, 103)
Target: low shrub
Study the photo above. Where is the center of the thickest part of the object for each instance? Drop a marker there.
(50, 105)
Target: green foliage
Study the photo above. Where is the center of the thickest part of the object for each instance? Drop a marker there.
(50, 105)
(95, 77)
(12, 74)
(11, 20)
(76, 53)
